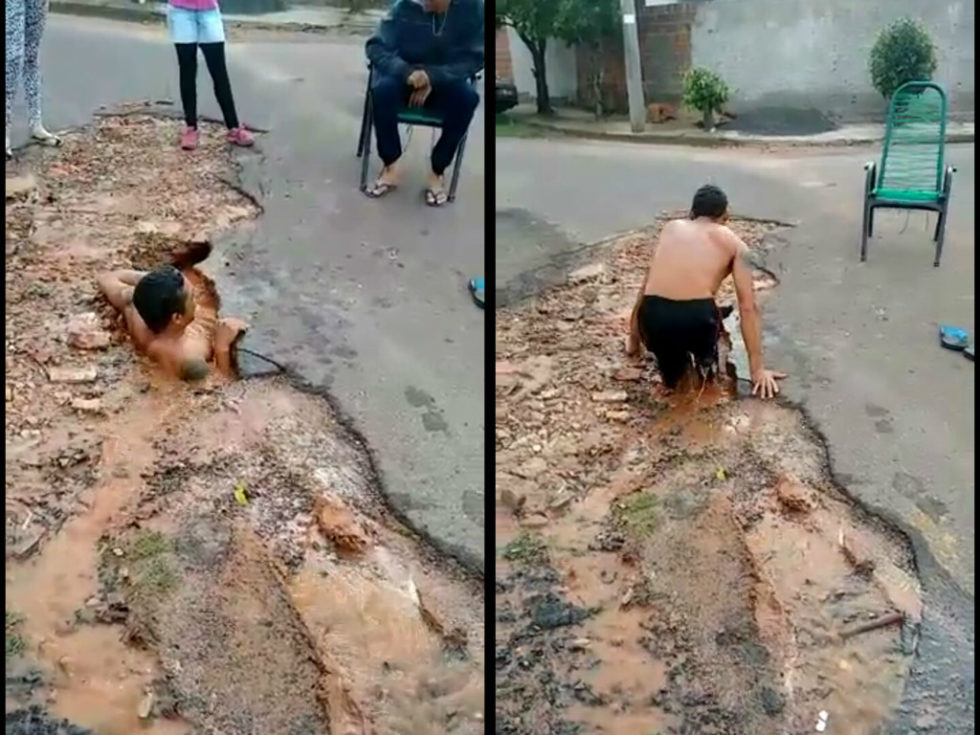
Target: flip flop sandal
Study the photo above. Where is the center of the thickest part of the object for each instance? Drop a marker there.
(475, 287)
(953, 338)
(968, 353)
(53, 142)
(435, 197)
(379, 189)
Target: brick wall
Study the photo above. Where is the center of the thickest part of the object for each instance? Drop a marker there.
(503, 66)
(664, 33)
(665, 49)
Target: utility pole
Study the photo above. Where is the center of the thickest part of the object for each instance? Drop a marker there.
(634, 74)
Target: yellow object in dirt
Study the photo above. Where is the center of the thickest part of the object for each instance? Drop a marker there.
(720, 474)
(240, 494)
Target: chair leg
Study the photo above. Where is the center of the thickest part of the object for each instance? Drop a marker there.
(364, 123)
(456, 167)
(866, 229)
(366, 143)
(940, 235)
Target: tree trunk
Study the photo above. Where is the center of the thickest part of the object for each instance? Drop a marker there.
(541, 79)
(708, 119)
(598, 72)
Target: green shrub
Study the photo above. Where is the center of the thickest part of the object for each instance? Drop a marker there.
(705, 92)
(903, 52)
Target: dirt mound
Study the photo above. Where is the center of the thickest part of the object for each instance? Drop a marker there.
(679, 565)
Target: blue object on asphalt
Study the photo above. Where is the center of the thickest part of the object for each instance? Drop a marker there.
(475, 287)
(953, 338)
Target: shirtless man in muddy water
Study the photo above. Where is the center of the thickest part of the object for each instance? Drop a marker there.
(676, 317)
(171, 320)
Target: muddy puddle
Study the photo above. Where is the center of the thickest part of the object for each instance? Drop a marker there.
(676, 564)
(185, 559)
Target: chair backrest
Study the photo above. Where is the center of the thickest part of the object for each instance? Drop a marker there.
(915, 137)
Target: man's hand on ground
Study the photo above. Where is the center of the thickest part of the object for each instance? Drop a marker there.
(228, 331)
(764, 383)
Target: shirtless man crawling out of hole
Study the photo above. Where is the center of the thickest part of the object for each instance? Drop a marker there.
(169, 323)
(676, 317)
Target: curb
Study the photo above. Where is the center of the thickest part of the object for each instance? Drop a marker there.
(716, 142)
(149, 15)
(112, 12)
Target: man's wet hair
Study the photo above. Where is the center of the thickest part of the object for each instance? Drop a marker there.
(159, 295)
(709, 201)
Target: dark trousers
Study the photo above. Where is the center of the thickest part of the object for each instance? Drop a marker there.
(455, 103)
(214, 57)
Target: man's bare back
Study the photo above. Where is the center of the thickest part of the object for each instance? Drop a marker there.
(691, 260)
(675, 316)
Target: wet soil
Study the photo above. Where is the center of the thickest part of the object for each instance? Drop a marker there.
(194, 559)
(676, 564)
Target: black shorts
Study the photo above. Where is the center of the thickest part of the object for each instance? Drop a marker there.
(677, 331)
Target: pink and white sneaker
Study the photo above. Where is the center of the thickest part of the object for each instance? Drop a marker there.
(241, 136)
(189, 138)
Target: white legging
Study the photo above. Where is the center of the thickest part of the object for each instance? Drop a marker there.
(25, 26)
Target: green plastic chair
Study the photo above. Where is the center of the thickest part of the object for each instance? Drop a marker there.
(912, 173)
(410, 117)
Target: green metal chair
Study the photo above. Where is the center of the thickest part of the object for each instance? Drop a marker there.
(410, 117)
(912, 174)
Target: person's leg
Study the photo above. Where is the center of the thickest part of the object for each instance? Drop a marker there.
(14, 58)
(456, 103)
(704, 330)
(388, 95)
(36, 12)
(212, 39)
(187, 70)
(662, 327)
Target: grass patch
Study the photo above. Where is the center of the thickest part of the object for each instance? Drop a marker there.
(525, 549)
(145, 571)
(509, 127)
(149, 544)
(14, 641)
(637, 514)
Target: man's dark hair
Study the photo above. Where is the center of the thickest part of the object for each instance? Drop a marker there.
(709, 201)
(159, 295)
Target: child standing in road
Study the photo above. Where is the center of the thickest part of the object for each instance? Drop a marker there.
(193, 24)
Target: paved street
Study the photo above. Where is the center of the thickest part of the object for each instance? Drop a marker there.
(860, 341)
(364, 298)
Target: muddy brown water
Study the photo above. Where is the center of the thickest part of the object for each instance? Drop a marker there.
(675, 564)
(197, 559)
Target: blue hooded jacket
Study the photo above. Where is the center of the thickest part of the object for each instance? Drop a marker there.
(448, 47)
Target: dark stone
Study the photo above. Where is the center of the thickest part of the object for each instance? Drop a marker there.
(548, 611)
(772, 701)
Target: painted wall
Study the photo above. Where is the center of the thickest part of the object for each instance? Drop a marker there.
(814, 53)
(560, 64)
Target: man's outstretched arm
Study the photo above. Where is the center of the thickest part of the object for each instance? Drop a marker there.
(763, 381)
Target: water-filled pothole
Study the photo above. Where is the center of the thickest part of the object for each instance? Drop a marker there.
(213, 558)
(682, 565)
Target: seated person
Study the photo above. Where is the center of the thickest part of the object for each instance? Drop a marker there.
(675, 315)
(171, 320)
(424, 54)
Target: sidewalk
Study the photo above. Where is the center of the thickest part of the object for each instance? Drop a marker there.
(581, 123)
(308, 18)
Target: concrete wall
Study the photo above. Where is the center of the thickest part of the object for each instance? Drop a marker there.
(560, 65)
(814, 53)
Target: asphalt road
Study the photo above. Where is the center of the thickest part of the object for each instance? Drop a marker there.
(363, 298)
(859, 340)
